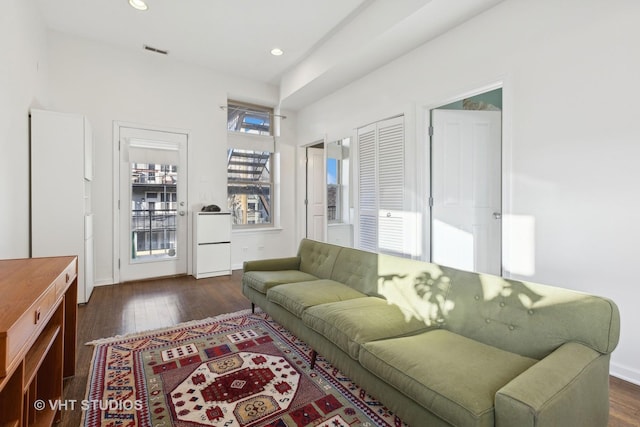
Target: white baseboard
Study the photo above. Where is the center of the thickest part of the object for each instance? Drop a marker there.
(625, 373)
(236, 266)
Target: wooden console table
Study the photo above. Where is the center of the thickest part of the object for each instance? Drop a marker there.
(38, 329)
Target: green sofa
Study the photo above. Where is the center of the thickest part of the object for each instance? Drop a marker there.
(440, 346)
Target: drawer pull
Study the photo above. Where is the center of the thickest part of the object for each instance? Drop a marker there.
(37, 317)
(66, 278)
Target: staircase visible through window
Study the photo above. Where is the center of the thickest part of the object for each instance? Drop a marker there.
(249, 186)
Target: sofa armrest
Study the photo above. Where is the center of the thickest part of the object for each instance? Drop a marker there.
(274, 264)
(569, 387)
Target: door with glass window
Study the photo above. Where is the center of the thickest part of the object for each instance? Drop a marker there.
(152, 204)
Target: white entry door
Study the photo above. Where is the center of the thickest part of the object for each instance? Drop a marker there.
(153, 203)
(316, 190)
(466, 190)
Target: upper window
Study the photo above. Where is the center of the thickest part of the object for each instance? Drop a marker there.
(249, 118)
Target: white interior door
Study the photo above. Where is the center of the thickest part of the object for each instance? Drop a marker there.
(316, 190)
(153, 203)
(466, 189)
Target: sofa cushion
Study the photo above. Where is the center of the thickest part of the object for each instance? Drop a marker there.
(317, 258)
(296, 297)
(357, 269)
(348, 324)
(454, 377)
(262, 281)
(528, 318)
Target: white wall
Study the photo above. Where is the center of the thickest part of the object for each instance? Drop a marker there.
(108, 84)
(23, 73)
(571, 92)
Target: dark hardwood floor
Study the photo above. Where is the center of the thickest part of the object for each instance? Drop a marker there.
(139, 306)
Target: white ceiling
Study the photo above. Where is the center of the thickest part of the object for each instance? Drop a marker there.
(235, 36)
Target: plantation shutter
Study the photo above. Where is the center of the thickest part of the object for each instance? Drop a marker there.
(381, 187)
(367, 192)
(391, 186)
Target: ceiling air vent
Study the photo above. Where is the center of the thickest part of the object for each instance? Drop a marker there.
(155, 49)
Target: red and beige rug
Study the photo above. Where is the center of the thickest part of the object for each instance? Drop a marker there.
(239, 369)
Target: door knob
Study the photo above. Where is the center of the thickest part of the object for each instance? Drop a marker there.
(497, 215)
(181, 213)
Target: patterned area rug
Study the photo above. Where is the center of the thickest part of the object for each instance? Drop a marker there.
(239, 369)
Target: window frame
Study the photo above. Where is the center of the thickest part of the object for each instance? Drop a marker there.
(252, 141)
(255, 183)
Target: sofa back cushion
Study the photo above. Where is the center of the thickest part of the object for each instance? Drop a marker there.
(417, 288)
(357, 269)
(317, 258)
(528, 318)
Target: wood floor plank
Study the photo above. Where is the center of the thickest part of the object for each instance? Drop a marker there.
(136, 306)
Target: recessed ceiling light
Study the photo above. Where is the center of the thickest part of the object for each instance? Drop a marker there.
(138, 4)
(276, 51)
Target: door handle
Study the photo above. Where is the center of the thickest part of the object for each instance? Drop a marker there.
(181, 213)
(497, 215)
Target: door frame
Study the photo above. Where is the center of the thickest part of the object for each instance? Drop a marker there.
(117, 124)
(503, 83)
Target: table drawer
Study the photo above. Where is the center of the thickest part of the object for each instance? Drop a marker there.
(29, 325)
(65, 278)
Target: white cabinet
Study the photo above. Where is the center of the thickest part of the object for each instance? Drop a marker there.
(211, 244)
(61, 174)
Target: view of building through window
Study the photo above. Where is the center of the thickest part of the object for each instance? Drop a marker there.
(334, 196)
(153, 210)
(249, 177)
(249, 118)
(249, 186)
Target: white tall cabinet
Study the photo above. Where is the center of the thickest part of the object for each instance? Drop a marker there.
(61, 175)
(211, 244)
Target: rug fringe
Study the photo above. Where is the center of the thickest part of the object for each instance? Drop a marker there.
(218, 318)
(87, 388)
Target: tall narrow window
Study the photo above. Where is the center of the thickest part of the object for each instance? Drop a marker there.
(334, 190)
(250, 164)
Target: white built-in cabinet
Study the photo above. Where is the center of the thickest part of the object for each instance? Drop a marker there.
(61, 175)
(211, 244)
(381, 224)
